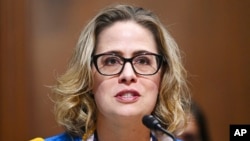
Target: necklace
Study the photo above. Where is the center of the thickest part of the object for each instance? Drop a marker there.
(88, 134)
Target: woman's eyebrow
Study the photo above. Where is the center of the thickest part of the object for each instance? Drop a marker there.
(116, 52)
(139, 52)
(120, 53)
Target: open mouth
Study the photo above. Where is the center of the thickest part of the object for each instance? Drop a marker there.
(127, 96)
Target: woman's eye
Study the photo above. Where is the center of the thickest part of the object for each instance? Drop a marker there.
(142, 61)
(111, 61)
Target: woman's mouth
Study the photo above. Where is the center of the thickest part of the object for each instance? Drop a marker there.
(127, 96)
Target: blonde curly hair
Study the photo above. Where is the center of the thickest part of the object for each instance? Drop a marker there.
(74, 104)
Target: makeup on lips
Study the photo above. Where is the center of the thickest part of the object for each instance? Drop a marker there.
(127, 96)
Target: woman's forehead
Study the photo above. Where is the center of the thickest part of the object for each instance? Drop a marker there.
(126, 37)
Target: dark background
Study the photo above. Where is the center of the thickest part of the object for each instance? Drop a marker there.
(38, 36)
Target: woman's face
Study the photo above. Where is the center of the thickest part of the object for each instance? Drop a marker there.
(126, 94)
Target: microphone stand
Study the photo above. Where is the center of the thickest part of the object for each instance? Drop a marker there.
(152, 123)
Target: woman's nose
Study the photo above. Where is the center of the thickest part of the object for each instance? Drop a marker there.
(128, 74)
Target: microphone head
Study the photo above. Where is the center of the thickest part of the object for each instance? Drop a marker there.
(151, 122)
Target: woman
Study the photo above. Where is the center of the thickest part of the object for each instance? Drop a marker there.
(125, 65)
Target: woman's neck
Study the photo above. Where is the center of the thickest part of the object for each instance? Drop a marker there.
(125, 129)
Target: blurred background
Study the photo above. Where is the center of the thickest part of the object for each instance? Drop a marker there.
(38, 36)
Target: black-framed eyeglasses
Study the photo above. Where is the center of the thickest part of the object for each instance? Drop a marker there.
(112, 64)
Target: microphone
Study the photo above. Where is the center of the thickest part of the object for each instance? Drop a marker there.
(152, 123)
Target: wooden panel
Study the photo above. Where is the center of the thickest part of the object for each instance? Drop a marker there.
(14, 92)
(37, 38)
